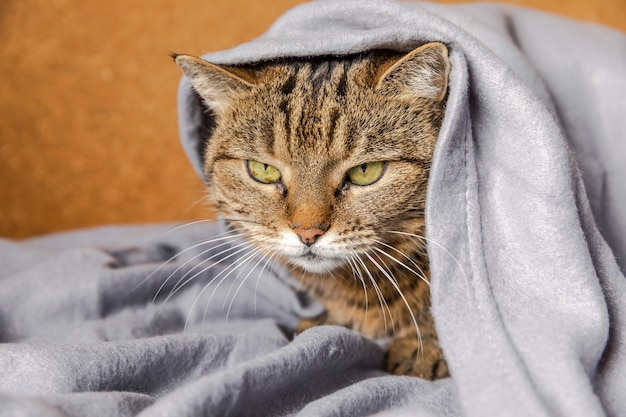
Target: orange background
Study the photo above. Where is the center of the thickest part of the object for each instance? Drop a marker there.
(88, 127)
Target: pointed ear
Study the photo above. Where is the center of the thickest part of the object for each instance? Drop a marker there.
(422, 72)
(215, 84)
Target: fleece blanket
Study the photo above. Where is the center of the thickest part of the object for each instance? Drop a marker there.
(526, 220)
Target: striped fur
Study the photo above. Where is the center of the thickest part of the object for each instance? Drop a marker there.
(314, 119)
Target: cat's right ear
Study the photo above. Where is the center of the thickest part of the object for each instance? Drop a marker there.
(422, 72)
(215, 84)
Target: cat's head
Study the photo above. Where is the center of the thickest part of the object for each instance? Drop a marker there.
(318, 161)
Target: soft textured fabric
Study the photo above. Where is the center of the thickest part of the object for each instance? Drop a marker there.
(526, 220)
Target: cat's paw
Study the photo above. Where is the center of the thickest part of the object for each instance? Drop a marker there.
(404, 357)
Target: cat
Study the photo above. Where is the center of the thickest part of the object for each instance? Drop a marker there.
(322, 163)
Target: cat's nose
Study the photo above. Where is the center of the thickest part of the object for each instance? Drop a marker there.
(308, 236)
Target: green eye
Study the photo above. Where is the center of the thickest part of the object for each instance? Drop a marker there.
(366, 174)
(264, 173)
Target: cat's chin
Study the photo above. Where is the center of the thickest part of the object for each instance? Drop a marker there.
(316, 264)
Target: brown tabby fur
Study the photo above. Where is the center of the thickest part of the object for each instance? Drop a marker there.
(313, 120)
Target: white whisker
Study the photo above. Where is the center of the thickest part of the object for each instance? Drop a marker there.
(228, 270)
(358, 274)
(262, 256)
(420, 274)
(381, 298)
(157, 236)
(256, 285)
(172, 258)
(401, 294)
(243, 261)
(382, 262)
(251, 255)
(408, 258)
(194, 258)
(447, 252)
(179, 286)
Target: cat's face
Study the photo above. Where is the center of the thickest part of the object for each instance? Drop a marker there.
(317, 162)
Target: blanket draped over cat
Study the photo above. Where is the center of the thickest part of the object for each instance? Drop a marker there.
(526, 216)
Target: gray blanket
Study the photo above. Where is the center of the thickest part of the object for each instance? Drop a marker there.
(526, 216)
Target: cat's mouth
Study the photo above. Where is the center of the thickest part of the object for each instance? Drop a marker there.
(321, 257)
(311, 256)
(315, 263)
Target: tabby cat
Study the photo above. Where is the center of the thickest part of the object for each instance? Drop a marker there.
(323, 163)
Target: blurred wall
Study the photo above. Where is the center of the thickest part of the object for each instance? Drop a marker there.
(88, 132)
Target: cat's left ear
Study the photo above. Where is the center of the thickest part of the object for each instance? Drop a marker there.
(422, 72)
(217, 85)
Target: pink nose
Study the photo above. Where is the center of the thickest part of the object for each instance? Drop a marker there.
(308, 236)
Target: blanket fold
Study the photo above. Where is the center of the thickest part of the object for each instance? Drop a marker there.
(526, 228)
